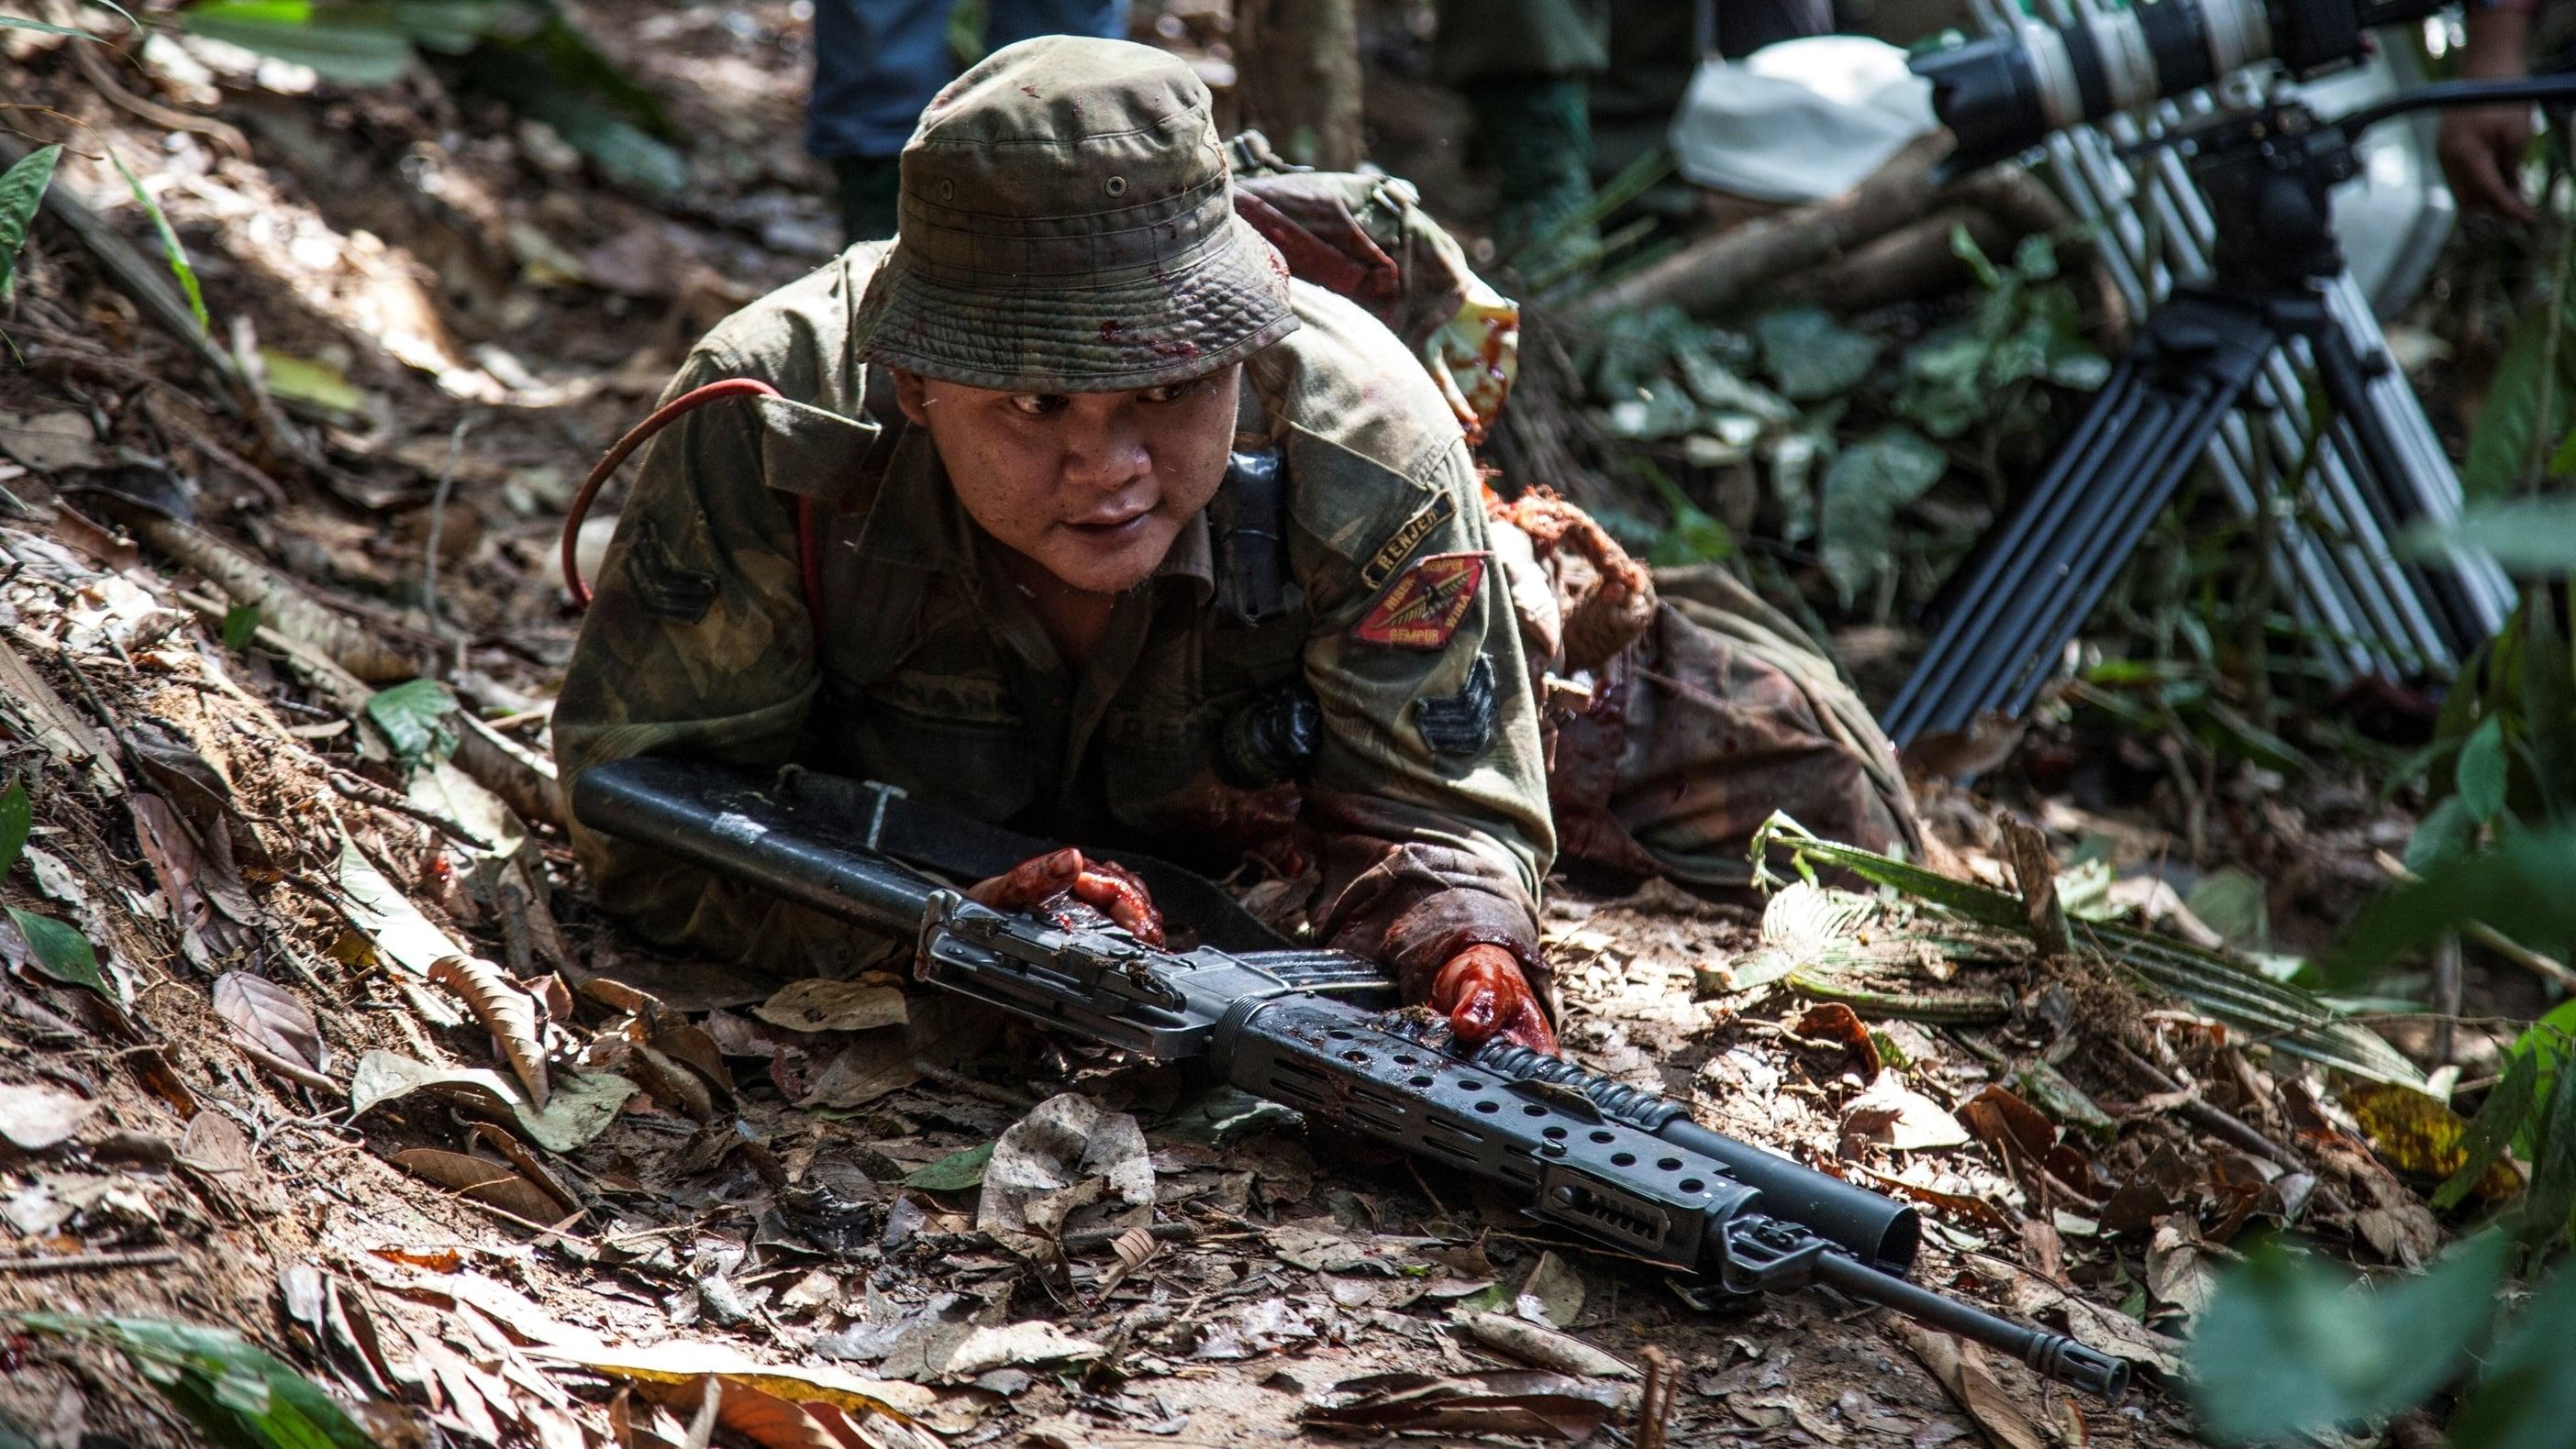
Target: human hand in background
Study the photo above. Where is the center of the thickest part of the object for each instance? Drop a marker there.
(2481, 147)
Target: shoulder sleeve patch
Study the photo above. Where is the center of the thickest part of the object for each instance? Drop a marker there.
(1426, 605)
(1461, 725)
(1382, 565)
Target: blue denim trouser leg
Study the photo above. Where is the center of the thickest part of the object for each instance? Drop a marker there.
(878, 62)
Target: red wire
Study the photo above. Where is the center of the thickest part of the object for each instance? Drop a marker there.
(809, 550)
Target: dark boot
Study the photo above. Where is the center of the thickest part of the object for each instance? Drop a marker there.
(869, 185)
(1537, 135)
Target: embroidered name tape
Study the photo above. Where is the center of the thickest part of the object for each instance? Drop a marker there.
(1425, 606)
(1382, 564)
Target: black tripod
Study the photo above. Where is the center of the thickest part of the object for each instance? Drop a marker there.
(2006, 617)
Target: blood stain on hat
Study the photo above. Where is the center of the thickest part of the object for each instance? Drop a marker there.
(1109, 330)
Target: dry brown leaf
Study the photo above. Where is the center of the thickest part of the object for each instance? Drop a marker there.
(1545, 1347)
(676, 1361)
(34, 1118)
(508, 1012)
(1553, 1293)
(270, 1017)
(527, 1163)
(1135, 1248)
(833, 1006)
(1962, 1370)
(1833, 1022)
(483, 1181)
(770, 1421)
(214, 1143)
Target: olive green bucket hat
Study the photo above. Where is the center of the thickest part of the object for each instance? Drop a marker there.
(1067, 225)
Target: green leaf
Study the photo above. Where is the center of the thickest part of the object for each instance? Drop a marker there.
(17, 818)
(954, 1173)
(2498, 1119)
(241, 1396)
(355, 45)
(241, 621)
(12, 22)
(1963, 245)
(2552, 1194)
(171, 252)
(300, 379)
(1694, 535)
(60, 951)
(2482, 771)
(2292, 1346)
(2293, 1020)
(22, 190)
(2528, 536)
(414, 718)
(2519, 888)
(2234, 903)
(2524, 1397)
(2446, 833)
(1810, 355)
(1864, 489)
(2526, 402)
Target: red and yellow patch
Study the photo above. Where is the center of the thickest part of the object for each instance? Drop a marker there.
(1426, 604)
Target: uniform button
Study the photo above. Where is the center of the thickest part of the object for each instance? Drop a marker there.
(947, 190)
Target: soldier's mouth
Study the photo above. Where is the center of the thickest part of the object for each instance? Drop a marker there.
(1114, 530)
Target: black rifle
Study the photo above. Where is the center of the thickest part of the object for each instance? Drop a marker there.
(1623, 1168)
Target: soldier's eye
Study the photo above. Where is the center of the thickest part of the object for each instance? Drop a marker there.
(1038, 404)
(1169, 392)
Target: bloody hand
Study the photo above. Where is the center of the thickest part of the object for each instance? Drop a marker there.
(1109, 888)
(1485, 994)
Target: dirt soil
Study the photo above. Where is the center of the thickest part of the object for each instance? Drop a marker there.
(773, 1189)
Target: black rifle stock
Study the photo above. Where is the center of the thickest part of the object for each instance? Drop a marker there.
(1623, 1168)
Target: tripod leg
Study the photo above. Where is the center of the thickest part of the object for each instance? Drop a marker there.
(2000, 565)
(2039, 638)
(2381, 470)
(2021, 600)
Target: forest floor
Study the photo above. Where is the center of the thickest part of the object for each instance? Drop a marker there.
(775, 1188)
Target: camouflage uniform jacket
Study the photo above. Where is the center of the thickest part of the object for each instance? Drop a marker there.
(1424, 811)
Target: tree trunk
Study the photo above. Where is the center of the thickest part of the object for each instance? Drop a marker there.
(1299, 62)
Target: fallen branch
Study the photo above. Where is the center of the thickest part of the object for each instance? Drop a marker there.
(1712, 274)
(284, 606)
(2217, 1122)
(87, 1262)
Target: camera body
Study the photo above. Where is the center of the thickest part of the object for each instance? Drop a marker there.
(2003, 95)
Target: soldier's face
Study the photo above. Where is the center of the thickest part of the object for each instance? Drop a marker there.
(1091, 486)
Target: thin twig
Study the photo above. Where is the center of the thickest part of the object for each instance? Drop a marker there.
(959, 1081)
(2218, 1122)
(1655, 1400)
(301, 1076)
(368, 792)
(83, 1262)
(438, 522)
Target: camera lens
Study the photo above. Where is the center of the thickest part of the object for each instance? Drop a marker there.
(2006, 94)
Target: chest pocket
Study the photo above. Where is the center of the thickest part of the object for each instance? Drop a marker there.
(938, 722)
